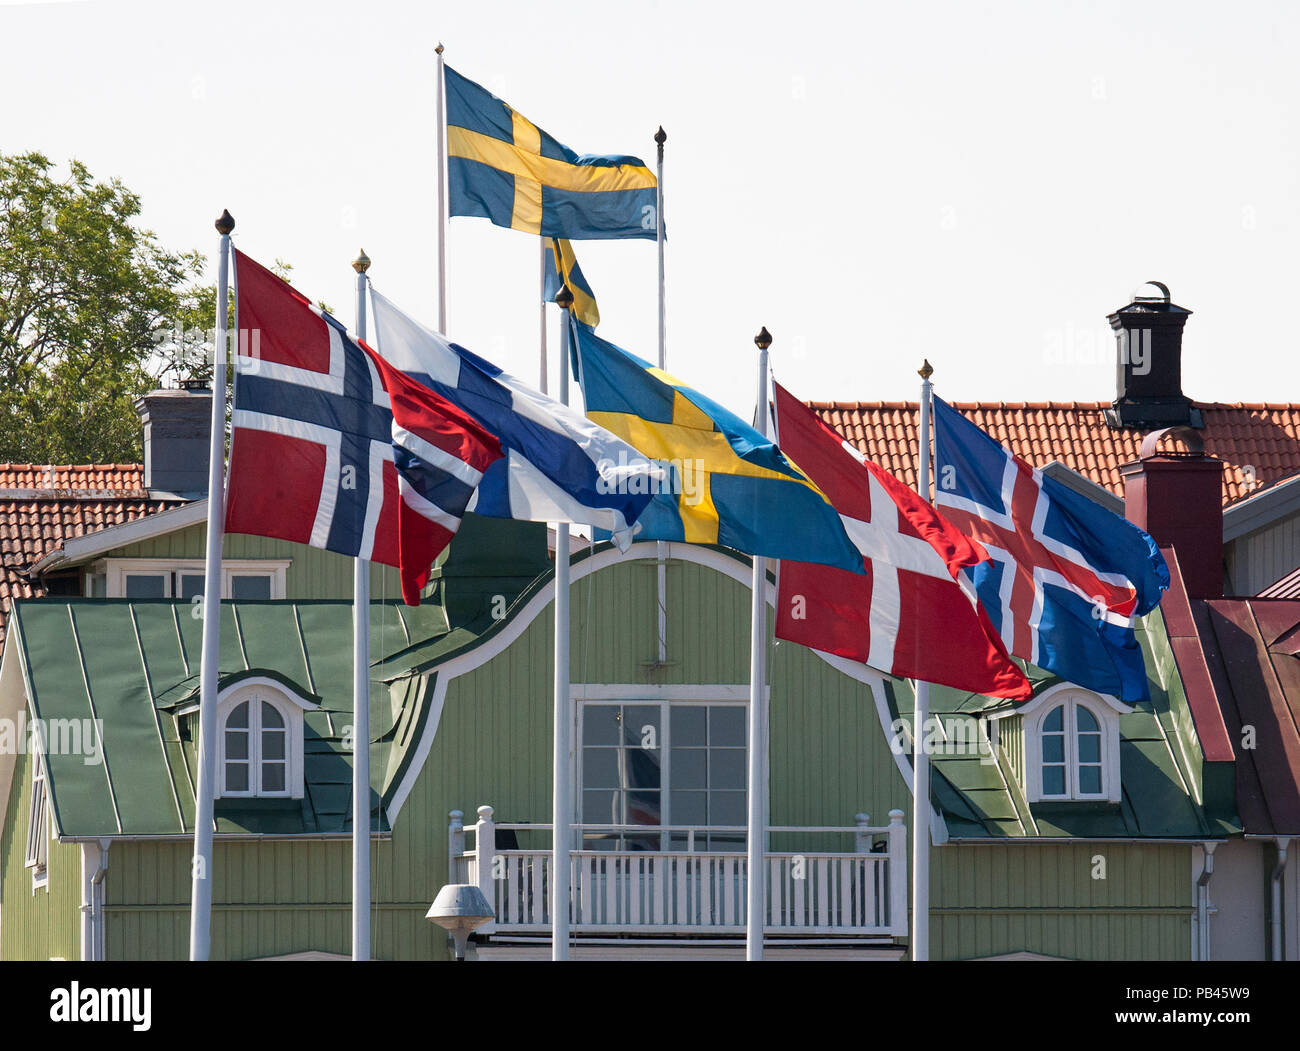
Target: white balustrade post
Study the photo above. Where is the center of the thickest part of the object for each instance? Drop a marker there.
(862, 838)
(485, 843)
(455, 844)
(897, 874)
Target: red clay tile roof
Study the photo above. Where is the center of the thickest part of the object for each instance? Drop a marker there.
(42, 506)
(1260, 442)
(105, 477)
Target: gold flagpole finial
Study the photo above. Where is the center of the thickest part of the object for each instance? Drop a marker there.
(764, 339)
(438, 50)
(361, 263)
(564, 298)
(225, 223)
(926, 370)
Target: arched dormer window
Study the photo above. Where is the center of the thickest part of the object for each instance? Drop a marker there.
(261, 740)
(1071, 745)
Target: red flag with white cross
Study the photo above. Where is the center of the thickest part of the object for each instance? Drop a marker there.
(908, 616)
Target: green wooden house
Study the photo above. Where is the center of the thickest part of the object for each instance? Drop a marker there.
(1071, 826)
(97, 834)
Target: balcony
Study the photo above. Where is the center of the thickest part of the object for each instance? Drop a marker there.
(688, 889)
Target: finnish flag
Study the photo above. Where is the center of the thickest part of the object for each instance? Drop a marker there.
(558, 465)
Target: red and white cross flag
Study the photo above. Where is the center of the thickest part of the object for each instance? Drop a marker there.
(908, 616)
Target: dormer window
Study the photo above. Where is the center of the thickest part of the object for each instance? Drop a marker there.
(1070, 745)
(1071, 741)
(261, 740)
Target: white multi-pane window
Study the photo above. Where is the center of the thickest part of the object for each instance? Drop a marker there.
(257, 755)
(1071, 746)
(142, 578)
(38, 836)
(648, 765)
(261, 736)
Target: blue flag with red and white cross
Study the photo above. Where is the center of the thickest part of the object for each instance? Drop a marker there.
(1066, 577)
(333, 447)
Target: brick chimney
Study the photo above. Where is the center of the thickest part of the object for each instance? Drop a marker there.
(177, 427)
(1177, 497)
(1149, 364)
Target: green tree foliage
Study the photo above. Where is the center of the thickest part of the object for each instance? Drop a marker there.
(89, 305)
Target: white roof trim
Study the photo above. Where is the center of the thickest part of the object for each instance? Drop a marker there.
(266, 683)
(82, 548)
(1262, 509)
(13, 702)
(1084, 486)
(1032, 705)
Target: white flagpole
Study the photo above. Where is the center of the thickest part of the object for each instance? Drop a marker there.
(756, 864)
(661, 567)
(201, 867)
(541, 385)
(442, 201)
(361, 708)
(660, 138)
(920, 716)
(562, 758)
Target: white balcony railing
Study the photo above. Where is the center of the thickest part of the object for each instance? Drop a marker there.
(690, 891)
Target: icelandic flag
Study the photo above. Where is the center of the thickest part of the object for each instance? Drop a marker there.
(558, 465)
(333, 447)
(1066, 576)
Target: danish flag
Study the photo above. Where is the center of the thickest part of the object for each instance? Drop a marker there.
(332, 446)
(908, 617)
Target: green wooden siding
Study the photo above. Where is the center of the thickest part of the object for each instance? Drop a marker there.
(829, 761)
(1011, 737)
(270, 898)
(1046, 898)
(312, 573)
(45, 924)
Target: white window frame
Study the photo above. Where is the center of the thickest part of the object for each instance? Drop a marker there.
(1105, 708)
(116, 570)
(291, 708)
(664, 698)
(38, 828)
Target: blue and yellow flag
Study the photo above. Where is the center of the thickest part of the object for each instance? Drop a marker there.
(503, 167)
(729, 484)
(562, 268)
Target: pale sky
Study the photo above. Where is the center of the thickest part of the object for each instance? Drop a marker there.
(976, 183)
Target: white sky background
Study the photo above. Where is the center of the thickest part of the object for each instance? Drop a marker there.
(979, 184)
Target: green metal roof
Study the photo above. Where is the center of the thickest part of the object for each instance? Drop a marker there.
(1160, 768)
(133, 665)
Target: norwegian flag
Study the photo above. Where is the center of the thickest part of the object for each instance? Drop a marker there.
(333, 447)
(908, 617)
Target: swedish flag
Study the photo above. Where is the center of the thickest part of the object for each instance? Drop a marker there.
(562, 269)
(730, 485)
(503, 167)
